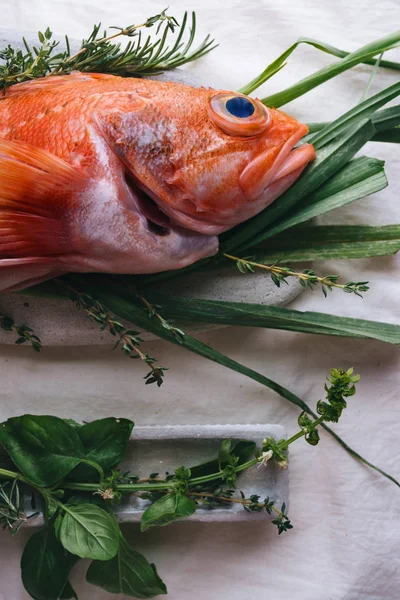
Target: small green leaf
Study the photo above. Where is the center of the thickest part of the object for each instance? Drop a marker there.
(224, 451)
(88, 532)
(128, 573)
(43, 566)
(44, 448)
(167, 509)
(313, 437)
(182, 473)
(304, 420)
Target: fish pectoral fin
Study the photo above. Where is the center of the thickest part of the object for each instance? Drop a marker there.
(37, 195)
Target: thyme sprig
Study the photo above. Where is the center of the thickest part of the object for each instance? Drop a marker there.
(307, 278)
(98, 53)
(128, 340)
(152, 309)
(251, 504)
(24, 333)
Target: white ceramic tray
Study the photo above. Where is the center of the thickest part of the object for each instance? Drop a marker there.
(163, 448)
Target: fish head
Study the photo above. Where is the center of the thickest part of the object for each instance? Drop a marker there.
(209, 159)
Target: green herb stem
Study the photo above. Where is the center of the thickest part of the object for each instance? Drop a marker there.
(285, 443)
(5, 474)
(122, 487)
(308, 278)
(195, 481)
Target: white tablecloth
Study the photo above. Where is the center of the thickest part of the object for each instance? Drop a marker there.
(345, 541)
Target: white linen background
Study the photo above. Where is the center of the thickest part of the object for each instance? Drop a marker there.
(344, 545)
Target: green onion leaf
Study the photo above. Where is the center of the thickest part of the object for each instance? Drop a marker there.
(279, 63)
(326, 199)
(360, 111)
(325, 242)
(329, 160)
(272, 317)
(351, 60)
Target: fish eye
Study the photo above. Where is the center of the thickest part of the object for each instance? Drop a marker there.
(237, 114)
(240, 107)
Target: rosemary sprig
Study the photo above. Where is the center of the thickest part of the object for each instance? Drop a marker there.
(12, 514)
(128, 340)
(24, 333)
(98, 53)
(307, 278)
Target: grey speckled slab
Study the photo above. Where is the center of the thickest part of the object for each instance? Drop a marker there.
(59, 324)
(163, 448)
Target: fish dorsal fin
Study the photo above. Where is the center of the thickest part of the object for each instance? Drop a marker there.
(38, 192)
(53, 82)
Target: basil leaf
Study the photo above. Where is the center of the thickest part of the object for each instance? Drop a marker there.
(167, 509)
(43, 566)
(68, 592)
(105, 442)
(242, 449)
(73, 423)
(44, 448)
(128, 573)
(52, 506)
(87, 531)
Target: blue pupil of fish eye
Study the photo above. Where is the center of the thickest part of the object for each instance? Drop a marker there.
(240, 107)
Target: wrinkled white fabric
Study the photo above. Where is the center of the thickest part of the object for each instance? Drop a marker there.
(345, 541)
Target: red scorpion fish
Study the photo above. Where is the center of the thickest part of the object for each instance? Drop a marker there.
(102, 173)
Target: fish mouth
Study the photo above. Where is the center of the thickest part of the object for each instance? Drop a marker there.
(298, 158)
(270, 166)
